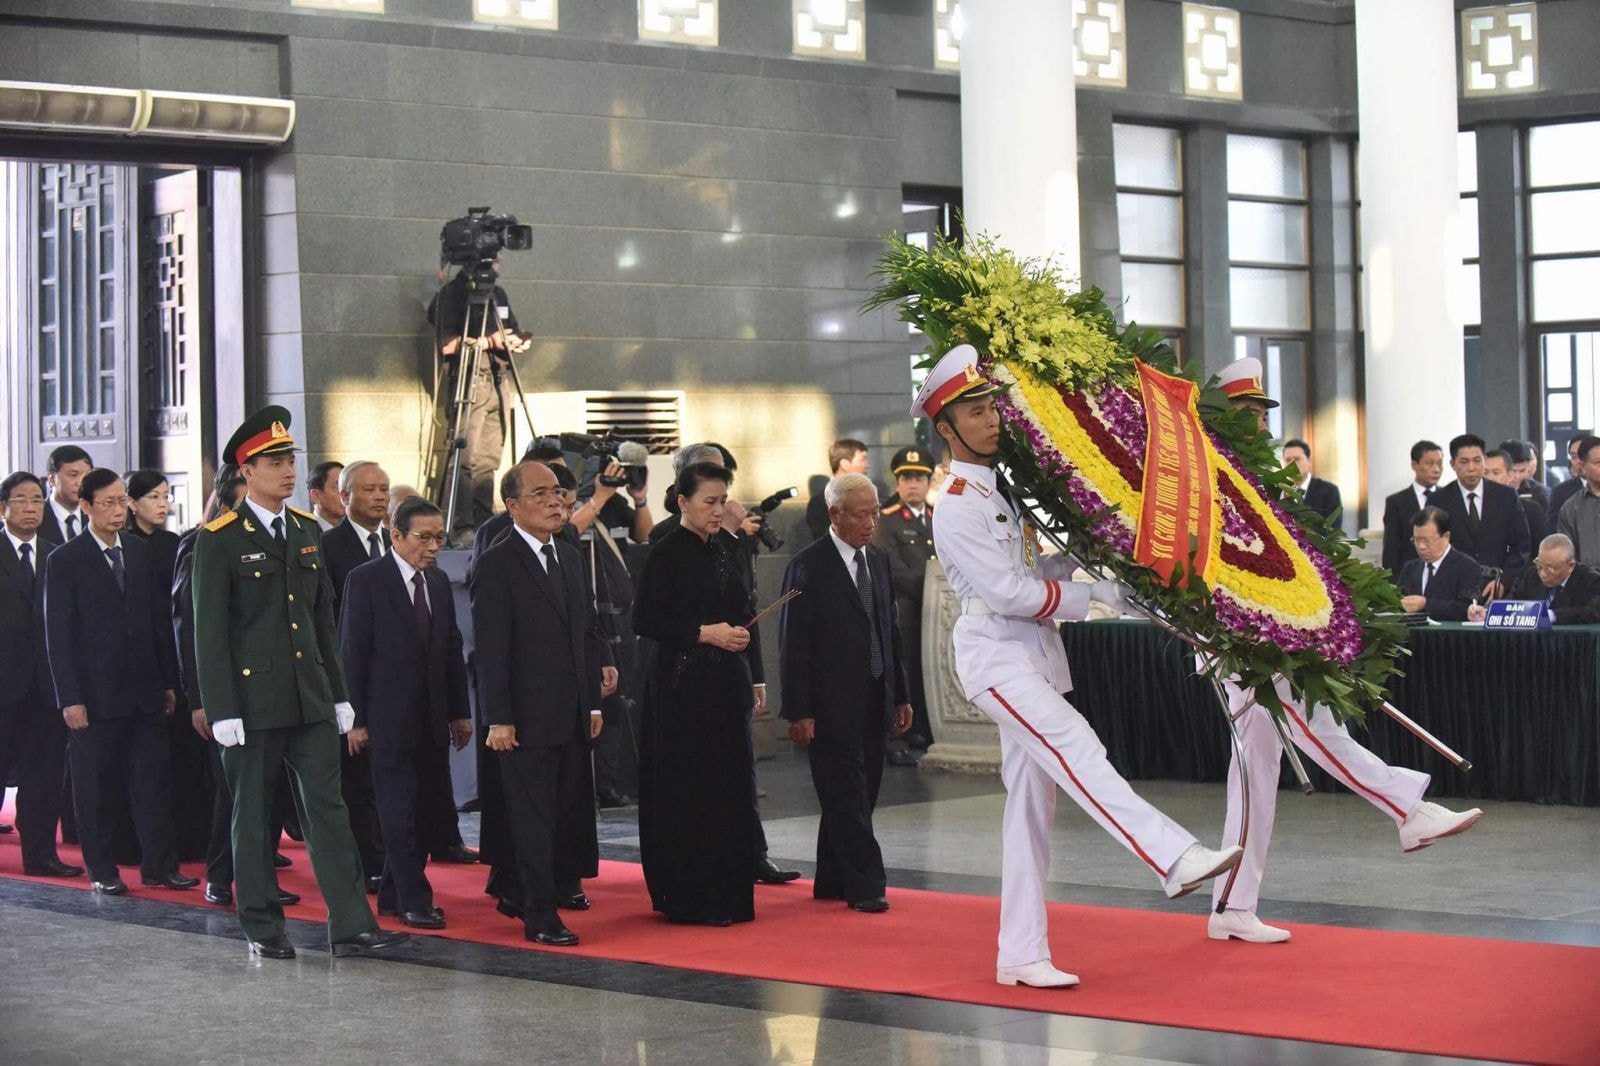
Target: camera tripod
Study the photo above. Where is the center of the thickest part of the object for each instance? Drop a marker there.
(472, 346)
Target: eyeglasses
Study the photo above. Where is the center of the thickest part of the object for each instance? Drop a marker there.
(543, 495)
(25, 501)
(427, 538)
(111, 503)
(1546, 568)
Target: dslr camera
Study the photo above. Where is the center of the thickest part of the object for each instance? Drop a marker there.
(765, 508)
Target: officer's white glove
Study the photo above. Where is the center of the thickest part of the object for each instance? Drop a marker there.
(1114, 594)
(346, 716)
(228, 732)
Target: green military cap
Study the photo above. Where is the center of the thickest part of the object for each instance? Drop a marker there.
(911, 461)
(264, 433)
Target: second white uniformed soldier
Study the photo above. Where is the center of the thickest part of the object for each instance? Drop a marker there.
(1013, 667)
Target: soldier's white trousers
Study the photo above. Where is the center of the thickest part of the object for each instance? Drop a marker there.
(1391, 789)
(1046, 744)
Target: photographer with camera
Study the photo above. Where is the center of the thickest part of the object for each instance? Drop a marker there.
(624, 469)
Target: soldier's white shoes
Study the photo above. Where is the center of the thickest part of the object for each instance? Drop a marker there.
(1041, 974)
(1428, 822)
(1244, 925)
(1197, 866)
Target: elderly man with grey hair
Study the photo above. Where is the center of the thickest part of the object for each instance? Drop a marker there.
(739, 526)
(844, 686)
(1570, 590)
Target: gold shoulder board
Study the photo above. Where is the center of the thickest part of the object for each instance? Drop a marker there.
(221, 520)
(304, 514)
(893, 508)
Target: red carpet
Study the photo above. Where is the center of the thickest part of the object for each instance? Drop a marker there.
(1409, 992)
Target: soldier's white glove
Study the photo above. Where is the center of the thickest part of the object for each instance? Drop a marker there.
(1114, 594)
(346, 716)
(228, 732)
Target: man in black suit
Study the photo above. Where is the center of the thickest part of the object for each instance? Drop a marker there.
(407, 677)
(1524, 475)
(1574, 484)
(844, 685)
(360, 538)
(108, 631)
(542, 668)
(1427, 464)
(1571, 592)
(1486, 520)
(33, 739)
(64, 515)
(1442, 582)
(1319, 495)
(1498, 468)
(845, 456)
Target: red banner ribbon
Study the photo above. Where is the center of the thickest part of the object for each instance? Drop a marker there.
(1176, 510)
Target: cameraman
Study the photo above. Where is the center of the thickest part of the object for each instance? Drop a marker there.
(611, 506)
(493, 327)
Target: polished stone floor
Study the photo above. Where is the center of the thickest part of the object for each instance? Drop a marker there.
(90, 980)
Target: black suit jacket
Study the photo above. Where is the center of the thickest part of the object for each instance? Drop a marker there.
(344, 547)
(1538, 528)
(110, 650)
(824, 641)
(1501, 537)
(538, 665)
(1578, 602)
(50, 529)
(1398, 511)
(404, 691)
(1457, 580)
(1323, 497)
(22, 640)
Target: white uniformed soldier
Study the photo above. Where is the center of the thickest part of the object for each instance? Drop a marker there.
(1012, 666)
(1395, 791)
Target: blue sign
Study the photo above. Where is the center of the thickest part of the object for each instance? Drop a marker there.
(1523, 615)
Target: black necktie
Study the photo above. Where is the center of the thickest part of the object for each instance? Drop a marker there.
(117, 571)
(27, 565)
(375, 547)
(1473, 516)
(1429, 579)
(1427, 495)
(72, 525)
(419, 604)
(553, 571)
(864, 590)
(277, 530)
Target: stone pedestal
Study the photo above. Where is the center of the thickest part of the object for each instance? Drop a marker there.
(966, 739)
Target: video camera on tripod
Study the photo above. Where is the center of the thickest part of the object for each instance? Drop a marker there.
(473, 243)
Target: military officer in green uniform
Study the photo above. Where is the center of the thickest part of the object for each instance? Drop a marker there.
(905, 531)
(267, 653)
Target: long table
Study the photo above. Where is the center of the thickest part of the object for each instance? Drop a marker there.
(1523, 707)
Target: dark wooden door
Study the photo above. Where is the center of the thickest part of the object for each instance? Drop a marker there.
(173, 297)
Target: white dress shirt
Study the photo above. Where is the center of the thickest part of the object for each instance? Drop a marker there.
(80, 520)
(1421, 493)
(407, 572)
(268, 517)
(848, 554)
(1436, 564)
(364, 534)
(536, 544)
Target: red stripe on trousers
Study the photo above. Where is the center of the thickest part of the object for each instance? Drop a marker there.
(1306, 729)
(1132, 843)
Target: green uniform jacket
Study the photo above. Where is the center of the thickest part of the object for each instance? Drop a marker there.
(266, 643)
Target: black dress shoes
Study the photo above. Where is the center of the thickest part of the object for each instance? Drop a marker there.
(370, 942)
(53, 868)
(221, 895)
(373, 884)
(767, 873)
(509, 909)
(875, 905)
(610, 797)
(173, 880)
(900, 758)
(114, 887)
(287, 899)
(575, 901)
(4, 829)
(433, 919)
(550, 931)
(273, 947)
(280, 860)
(394, 912)
(456, 853)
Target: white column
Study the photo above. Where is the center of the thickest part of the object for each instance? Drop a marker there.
(1019, 127)
(1410, 239)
